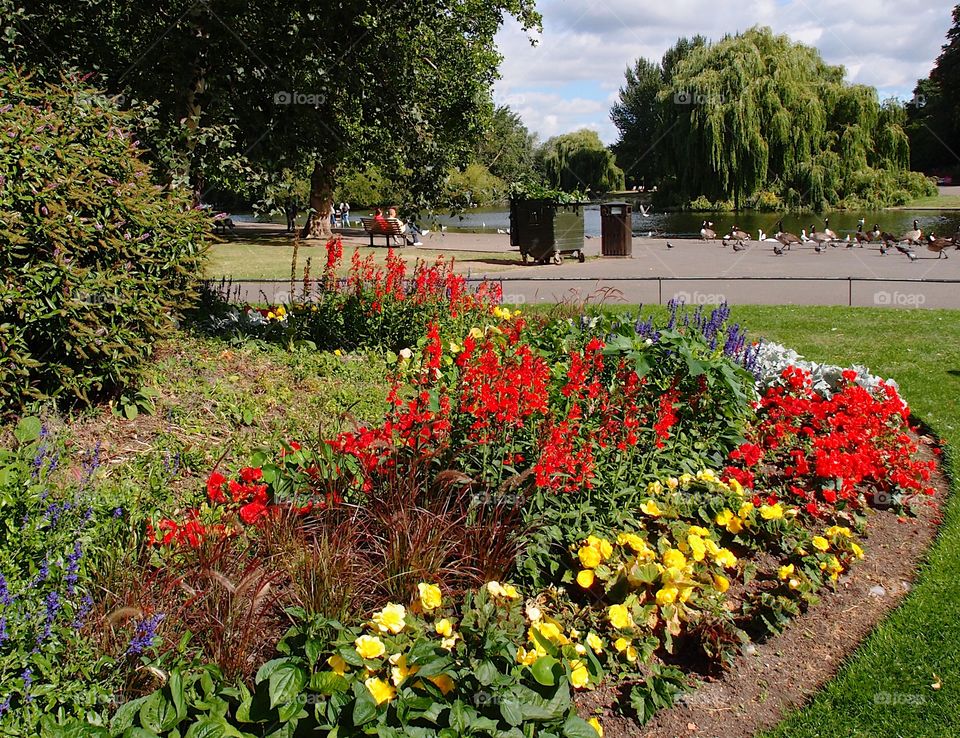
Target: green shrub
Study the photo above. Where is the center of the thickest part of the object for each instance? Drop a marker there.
(97, 260)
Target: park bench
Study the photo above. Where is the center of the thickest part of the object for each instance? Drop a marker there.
(391, 228)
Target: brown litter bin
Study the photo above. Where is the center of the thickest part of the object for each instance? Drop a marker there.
(616, 229)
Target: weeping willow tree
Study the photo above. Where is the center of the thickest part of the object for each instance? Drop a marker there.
(757, 116)
(579, 161)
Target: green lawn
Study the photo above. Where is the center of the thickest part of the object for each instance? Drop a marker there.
(921, 350)
(935, 201)
(270, 258)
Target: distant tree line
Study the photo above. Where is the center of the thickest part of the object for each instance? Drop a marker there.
(756, 120)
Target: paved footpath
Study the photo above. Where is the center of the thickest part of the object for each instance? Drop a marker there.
(706, 272)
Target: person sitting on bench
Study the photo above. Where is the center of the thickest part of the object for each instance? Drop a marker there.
(410, 230)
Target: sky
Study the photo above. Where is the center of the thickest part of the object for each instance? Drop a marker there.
(573, 75)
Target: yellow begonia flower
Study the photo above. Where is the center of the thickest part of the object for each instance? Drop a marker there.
(706, 475)
(725, 558)
(595, 724)
(632, 540)
(667, 595)
(672, 483)
(697, 530)
(589, 557)
(496, 589)
(771, 512)
(400, 671)
(476, 333)
(619, 617)
(430, 597)
(697, 547)
(654, 489)
(510, 592)
(839, 530)
(602, 545)
(626, 647)
(745, 509)
(651, 508)
(444, 682)
(443, 627)
(337, 663)
(382, 691)
(721, 583)
(735, 525)
(820, 543)
(449, 643)
(685, 480)
(550, 631)
(369, 647)
(857, 551)
(595, 643)
(585, 578)
(785, 572)
(579, 676)
(723, 517)
(526, 657)
(674, 558)
(391, 619)
(735, 486)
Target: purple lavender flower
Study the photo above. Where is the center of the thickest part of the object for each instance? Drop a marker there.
(3, 629)
(90, 464)
(118, 512)
(85, 607)
(53, 608)
(73, 567)
(5, 597)
(4, 706)
(44, 572)
(146, 633)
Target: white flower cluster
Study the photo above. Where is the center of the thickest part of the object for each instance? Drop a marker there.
(774, 358)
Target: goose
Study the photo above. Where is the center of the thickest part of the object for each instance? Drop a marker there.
(706, 231)
(726, 241)
(738, 246)
(914, 235)
(860, 237)
(739, 234)
(788, 239)
(819, 248)
(669, 245)
(827, 232)
(820, 238)
(939, 245)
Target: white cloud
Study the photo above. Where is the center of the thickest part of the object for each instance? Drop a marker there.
(586, 46)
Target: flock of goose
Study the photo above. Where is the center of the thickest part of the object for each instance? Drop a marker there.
(783, 241)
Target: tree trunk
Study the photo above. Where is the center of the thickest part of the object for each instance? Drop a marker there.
(321, 203)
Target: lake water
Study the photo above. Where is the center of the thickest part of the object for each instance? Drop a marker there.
(686, 224)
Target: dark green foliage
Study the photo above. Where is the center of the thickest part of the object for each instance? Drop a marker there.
(934, 112)
(580, 161)
(755, 119)
(97, 261)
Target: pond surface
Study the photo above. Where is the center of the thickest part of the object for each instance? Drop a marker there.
(687, 224)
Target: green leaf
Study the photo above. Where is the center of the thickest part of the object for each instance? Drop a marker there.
(130, 411)
(28, 429)
(364, 706)
(157, 713)
(123, 717)
(327, 682)
(542, 670)
(286, 683)
(577, 727)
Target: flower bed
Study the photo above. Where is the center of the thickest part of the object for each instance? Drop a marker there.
(549, 506)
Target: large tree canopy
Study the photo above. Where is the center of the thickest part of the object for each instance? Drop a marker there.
(279, 82)
(934, 112)
(756, 118)
(638, 115)
(580, 161)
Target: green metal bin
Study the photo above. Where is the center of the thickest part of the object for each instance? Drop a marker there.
(546, 231)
